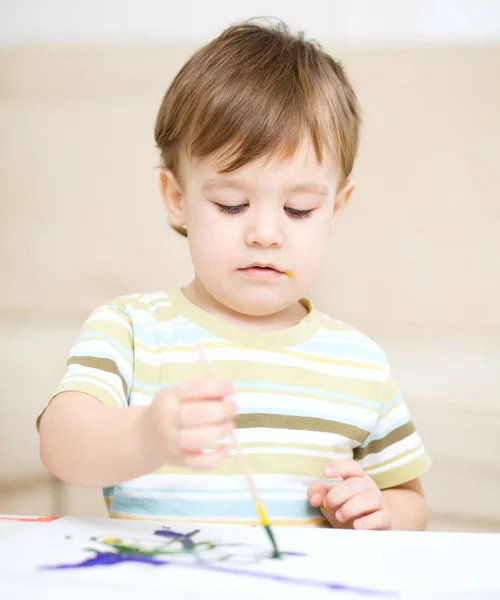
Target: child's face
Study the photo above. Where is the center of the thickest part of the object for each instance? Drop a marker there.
(275, 213)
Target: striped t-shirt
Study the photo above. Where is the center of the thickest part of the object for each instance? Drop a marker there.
(306, 396)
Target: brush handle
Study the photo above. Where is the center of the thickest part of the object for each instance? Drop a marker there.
(248, 475)
(239, 450)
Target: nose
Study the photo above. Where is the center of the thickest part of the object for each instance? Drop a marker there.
(264, 229)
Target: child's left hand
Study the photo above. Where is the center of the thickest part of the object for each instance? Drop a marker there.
(355, 502)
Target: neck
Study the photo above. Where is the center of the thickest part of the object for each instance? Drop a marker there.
(283, 319)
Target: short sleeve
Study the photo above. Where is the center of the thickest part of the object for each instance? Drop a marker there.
(393, 453)
(101, 361)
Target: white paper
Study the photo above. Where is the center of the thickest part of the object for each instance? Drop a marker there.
(220, 561)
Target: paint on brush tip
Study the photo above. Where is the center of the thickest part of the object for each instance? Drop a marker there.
(267, 526)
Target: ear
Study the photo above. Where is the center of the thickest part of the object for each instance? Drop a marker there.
(173, 198)
(341, 201)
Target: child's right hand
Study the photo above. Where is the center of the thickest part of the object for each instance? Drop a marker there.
(184, 420)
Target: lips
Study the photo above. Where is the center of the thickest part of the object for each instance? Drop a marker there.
(263, 266)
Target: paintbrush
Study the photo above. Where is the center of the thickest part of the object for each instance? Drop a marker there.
(246, 470)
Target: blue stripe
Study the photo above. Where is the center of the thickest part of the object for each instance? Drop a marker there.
(223, 509)
(106, 338)
(108, 492)
(307, 391)
(385, 409)
(244, 386)
(182, 335)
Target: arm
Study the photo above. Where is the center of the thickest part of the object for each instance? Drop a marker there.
(407, 507)
(82, 441)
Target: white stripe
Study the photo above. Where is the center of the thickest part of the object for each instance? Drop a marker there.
(392, 451)
(108, 314)
(397, 414)
(288, 450)
(268, 358)
(140, 399)
(342, 357)
(219, 482)
(158, 305)
(178, 325)
(70, 378)
(151, 297)
(346, 337)
(398, 463)
(284, 436)
(98, 348)
(285, 404)
(111, 379)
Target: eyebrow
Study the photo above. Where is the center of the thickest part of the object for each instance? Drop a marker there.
(310, 188)
(217, 182)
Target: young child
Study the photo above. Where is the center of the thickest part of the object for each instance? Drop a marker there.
(257, 133)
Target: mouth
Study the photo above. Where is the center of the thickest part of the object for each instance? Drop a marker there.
(262, 271)
(262, 267)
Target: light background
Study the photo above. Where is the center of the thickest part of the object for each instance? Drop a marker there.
(415, 262)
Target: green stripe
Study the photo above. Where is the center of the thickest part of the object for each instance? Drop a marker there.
(403, 473)
(101, 323)
(262, 464)
(92, 389)
(102, 364)
(242, 370)
(396, 435)
(289, 422)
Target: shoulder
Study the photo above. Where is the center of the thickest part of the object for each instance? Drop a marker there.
(347, 340)
(133, 312)
(132, 304)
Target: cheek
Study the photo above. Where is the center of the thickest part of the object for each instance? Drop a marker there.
(210, 242)
(310, 247)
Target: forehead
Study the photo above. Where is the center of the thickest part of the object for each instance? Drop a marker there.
(274, 169)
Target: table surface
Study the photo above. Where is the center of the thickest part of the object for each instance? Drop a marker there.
(12, 525)
(12, 584)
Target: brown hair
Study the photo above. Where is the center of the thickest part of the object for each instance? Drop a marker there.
(255, 90)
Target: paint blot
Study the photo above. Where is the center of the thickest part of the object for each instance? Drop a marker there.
(184, 544)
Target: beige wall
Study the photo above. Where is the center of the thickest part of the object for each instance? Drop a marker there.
(415, 262)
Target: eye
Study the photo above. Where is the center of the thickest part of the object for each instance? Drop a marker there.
(234, 209)
(299, 214)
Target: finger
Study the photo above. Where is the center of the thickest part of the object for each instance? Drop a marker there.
(376, 521)
(362, 504)
(316, 493)
(203, 461)
(199, 438)
(343, 492)
(207, 387)
(193, 414)
(344, 468)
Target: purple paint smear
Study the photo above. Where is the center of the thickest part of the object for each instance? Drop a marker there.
(106, 559)
(285, 579)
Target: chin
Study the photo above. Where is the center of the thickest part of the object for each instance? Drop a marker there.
(258, 307)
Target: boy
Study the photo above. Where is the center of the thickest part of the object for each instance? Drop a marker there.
(257, 133)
